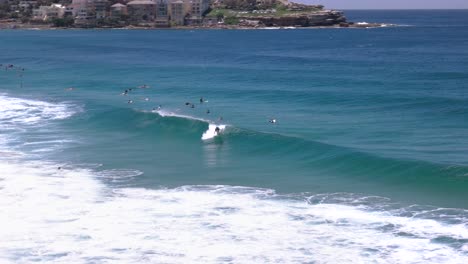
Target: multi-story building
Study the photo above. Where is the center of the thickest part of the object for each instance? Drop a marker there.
(100, 8)
(80, 8)
(68, 11)
(118, 10)
(196, 10)
(141, 11)
(83, 12)
(162, 14)
(47, 13)
(23, 5)
(177, 12)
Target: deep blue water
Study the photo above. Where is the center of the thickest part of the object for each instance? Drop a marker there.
(371, 124)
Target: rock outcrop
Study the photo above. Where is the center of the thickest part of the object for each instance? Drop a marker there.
(313, 19)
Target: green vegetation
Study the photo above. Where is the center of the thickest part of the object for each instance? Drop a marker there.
(281, 10)
(231, 20)
(240, 8)
(241, 4)
(63, 22)
(217, 12)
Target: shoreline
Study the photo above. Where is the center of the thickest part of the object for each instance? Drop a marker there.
(22, 26)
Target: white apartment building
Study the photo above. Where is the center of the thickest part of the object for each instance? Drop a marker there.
(47, 13)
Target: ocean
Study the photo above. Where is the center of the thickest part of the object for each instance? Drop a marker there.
(102, 158)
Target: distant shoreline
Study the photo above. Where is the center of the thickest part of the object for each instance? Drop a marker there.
(22, 26)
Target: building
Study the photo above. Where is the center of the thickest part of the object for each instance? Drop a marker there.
(83, 12)
(118, 10)
(141, 11)
(68, 11)
(162, 14)
(23, 5)
(79, 8)
(196, 10)
(100, 8)
(48, 13)
(177, 12)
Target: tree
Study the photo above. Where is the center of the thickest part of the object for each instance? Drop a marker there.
(63, 22)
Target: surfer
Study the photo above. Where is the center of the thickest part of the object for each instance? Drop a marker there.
(208, 111)
(273, 121)
(187, 103)
(192, 106)
(217, 130)
(130, 101)
(201, 100)
(159, 107)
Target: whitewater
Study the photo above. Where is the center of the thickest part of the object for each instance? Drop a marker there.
(367, 162)
(63, 213)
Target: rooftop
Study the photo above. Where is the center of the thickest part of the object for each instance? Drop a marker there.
(118, 5)
(141, 2)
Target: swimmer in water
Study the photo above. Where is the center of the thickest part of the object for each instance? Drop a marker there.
(208, 111)
(192, 106)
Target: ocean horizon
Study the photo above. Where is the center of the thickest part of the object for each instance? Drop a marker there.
(237, 146)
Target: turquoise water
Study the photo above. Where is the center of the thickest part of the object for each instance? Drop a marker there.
(370, 139)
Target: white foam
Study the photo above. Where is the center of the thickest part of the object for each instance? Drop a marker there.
(166, 113)
(118, 175)
(211, 132)
(21, 119)
(17, 111)
(208, 134)
(66, 216)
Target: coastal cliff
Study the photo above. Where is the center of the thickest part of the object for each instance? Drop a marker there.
(323, 18)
